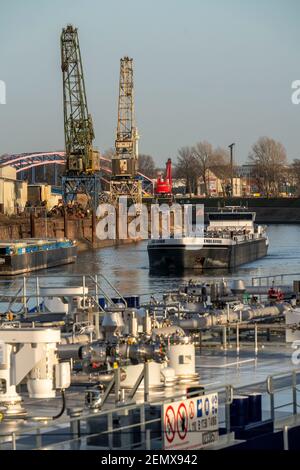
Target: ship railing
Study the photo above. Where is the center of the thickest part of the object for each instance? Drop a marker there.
(79, 437)
(289, 409)
(137, 433)
(115, 290)
(19, 294)
(269, 280)
(274, 393)
(235, 235)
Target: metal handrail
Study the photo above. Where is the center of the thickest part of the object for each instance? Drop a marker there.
(107, 298)
(227, 390)
(112, 287)
(127, 407)
(30, 288)
(174, 397)
(271, 391)
(102, 433)
(269, 277)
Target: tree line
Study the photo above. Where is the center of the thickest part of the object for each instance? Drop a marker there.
(270, 171)
(268, 158)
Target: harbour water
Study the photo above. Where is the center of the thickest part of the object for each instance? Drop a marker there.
(127, 266)
(246, 368)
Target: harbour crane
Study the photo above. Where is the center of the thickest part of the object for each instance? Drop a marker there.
(82, 160)
(124, 181)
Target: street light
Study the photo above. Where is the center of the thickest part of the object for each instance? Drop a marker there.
(231, 146)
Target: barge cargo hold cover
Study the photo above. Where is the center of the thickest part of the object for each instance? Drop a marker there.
(22, 256)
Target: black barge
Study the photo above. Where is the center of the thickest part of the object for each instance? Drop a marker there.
(230, 240)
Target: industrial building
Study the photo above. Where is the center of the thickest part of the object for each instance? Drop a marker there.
(16, 194)
(13, 192)
(218, 186)
(43, 193)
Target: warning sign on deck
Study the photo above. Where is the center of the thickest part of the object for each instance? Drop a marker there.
(191, 423)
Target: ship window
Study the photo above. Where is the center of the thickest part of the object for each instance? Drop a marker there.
(230, 216)
(3, 388)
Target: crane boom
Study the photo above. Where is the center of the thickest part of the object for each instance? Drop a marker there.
(124, 162)
(78, 126)
(164, 185)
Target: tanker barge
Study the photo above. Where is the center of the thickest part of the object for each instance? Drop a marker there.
(22, 256)
(230, 239)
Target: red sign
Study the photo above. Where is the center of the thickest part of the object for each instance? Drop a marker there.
(182, 421)
(191, 423)
(170, 424)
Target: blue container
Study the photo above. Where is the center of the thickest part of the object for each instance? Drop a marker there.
(102, 302)
(254, 407)
(117, 300)
(133, 301)
(239, 411)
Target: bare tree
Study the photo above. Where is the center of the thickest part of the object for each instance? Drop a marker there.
(187, 168)
(147, 166)
(220, 166)
(203, 153)
(269, 158)
(295, 174)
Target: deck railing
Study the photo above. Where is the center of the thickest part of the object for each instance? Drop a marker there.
(137, 434)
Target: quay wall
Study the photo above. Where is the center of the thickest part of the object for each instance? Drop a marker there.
(82, 230)
(268, 211)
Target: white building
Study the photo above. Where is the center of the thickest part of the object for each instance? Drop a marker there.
(13, 193)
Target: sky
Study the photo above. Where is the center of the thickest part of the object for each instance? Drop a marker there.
(215, 70)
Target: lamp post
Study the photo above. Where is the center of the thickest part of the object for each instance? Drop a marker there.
(231, 147)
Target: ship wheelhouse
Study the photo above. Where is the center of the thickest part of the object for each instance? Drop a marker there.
(234, 220)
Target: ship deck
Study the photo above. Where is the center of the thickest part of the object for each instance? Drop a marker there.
(216, 368)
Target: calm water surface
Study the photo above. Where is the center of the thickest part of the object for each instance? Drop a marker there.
(127, 266)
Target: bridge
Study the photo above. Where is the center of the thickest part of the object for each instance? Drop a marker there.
(29, 161)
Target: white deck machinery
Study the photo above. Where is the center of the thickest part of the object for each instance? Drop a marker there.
(29, 356)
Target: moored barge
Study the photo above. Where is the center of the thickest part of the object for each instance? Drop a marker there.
(22, 256)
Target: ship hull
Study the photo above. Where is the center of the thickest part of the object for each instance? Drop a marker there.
(179, 257)
(23, 263)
